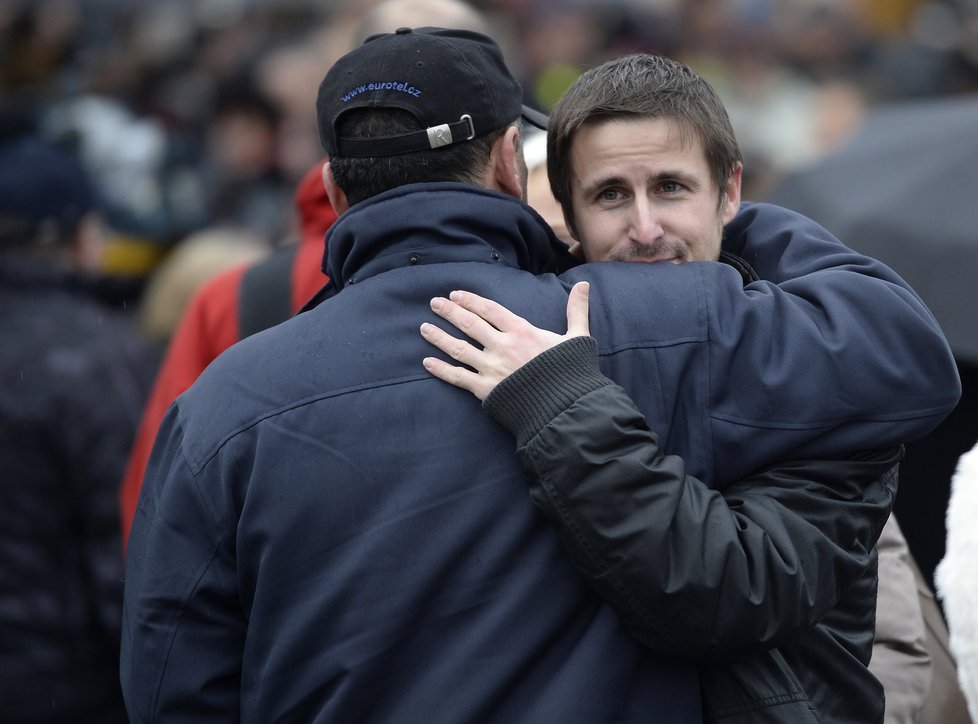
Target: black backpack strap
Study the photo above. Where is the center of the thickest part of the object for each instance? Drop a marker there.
(265, 294)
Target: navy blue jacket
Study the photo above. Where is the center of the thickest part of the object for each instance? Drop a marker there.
(327, 533)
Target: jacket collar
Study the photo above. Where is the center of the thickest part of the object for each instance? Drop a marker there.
(439, 222)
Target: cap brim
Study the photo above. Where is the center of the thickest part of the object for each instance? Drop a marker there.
(536, 118)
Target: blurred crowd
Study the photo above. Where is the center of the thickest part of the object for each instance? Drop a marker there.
(198, 114)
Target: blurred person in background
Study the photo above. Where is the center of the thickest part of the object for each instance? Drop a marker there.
(538, 193)
(73, 377)
(192, 262)
(912, 656)
(244, 182)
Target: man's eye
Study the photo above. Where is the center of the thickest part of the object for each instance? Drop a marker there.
(670, 187)
(609, 195)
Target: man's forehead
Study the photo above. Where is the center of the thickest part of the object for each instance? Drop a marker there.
(621, 128)
(606, 150)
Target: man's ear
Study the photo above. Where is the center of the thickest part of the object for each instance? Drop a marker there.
(337, 197)
(731, 195)
(508, 165)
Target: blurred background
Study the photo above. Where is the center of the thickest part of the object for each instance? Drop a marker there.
(197, 116)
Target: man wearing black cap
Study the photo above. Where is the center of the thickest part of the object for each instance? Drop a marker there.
(325, 533)
(328, 533)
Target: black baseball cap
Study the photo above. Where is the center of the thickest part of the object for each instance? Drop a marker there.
(454, 82)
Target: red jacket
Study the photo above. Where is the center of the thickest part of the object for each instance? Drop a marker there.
(211, 324)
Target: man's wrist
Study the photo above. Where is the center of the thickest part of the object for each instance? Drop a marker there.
(527, 400)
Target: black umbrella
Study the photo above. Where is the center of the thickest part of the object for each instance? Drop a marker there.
(904, 190)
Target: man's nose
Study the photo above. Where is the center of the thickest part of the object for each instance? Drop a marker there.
(645, 226)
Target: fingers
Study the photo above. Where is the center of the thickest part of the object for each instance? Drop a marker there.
(469, 323)
(455, 348)
(492, 312)
(457, 376)
(577, 310)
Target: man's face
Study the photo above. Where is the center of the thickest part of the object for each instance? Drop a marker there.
(640, 194)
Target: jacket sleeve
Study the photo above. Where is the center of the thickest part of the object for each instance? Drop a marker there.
(838, 336)
(830, 350)
(183, 628)
(695, 572)
(832, 354)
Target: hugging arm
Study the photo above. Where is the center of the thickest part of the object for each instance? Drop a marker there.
(717, 570)
(694, 572)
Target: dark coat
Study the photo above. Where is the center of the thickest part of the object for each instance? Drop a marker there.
(327, 533)
(73, 378)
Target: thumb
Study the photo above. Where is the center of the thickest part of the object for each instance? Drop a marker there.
(577, 310)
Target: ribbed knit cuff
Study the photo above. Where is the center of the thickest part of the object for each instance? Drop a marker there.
(527, 400)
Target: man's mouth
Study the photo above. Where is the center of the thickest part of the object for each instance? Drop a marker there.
(653, 254)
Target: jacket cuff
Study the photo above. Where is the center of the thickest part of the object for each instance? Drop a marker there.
(526, 401)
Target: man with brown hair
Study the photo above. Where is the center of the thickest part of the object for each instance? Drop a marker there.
(773, 567)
